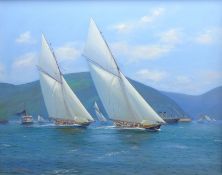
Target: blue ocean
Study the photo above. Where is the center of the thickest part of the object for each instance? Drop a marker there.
(181, 149)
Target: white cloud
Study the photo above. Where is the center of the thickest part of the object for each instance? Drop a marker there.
(141, 22)
(26, 60)
(25, 38)
(211, 76)
(152, 16)
(209, 36)
(205, 38)
(136, 53)
(23, 69)
(181, 79)
(172, 36)
(166, 42)
(68, 52)
(122, 27)
(153, 75)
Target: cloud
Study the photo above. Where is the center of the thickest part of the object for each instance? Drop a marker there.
(211, 76)
(181, 79)
(153, 75)
(136, 53)
(152, 16)
(68, 52)
(23, 69)
(25, 38)
(171, 36)
(205, 38)
(209, 36)
(25, 61)
(166, 42)
(141, 22)
(122, 27)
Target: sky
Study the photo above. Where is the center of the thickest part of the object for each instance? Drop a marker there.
(169, 46)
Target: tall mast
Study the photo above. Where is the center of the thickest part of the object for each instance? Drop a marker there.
(49, 45)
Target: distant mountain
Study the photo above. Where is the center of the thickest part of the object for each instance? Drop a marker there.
(13, 98)
(209, 103)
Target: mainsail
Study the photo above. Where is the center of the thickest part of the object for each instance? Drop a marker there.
(60, 101)
(99, 115)
(119, 97)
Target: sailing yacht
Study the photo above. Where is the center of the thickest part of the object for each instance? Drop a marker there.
(40, 119)
(63, 107)
(99, 114)
(124, 105)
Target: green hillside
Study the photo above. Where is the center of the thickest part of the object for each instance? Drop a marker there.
(13, 97)
(209, 103)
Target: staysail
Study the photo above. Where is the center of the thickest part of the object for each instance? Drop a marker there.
(99, 115)
(60, 101)
(119, 97)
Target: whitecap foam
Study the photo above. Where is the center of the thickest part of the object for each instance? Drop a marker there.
(217, 140)
(178, 146)
(135, 147)
(5, 145)
(114, 153)
(105, 127)
(73, 150)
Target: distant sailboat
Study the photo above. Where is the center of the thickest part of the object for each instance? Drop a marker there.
(40, 119)
(99, 115)
(204, 118)
(62, 104)
(124, 105)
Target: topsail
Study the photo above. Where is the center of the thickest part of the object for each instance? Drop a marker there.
(60, 101)
(120, 99)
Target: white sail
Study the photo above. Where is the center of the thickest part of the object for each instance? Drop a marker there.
(97, 52)
(60, 101)
(40, 119)
(99, 115)
(119, 97)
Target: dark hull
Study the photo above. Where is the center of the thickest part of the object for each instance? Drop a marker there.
(171, 120)
(26, 123)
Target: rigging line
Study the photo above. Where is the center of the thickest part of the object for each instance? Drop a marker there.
(98, 65)
(53, 54)
(41, 70)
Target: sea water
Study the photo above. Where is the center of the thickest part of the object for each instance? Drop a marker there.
(183, 148)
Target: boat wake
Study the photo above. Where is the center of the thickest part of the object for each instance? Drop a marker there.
(105, 127)
(43, 125)
(123, 128)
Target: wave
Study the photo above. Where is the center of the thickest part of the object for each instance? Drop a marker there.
(63, 171)
(105, 127)
(114, 153)
(217, 140)
(5, 145)
(178, 146)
